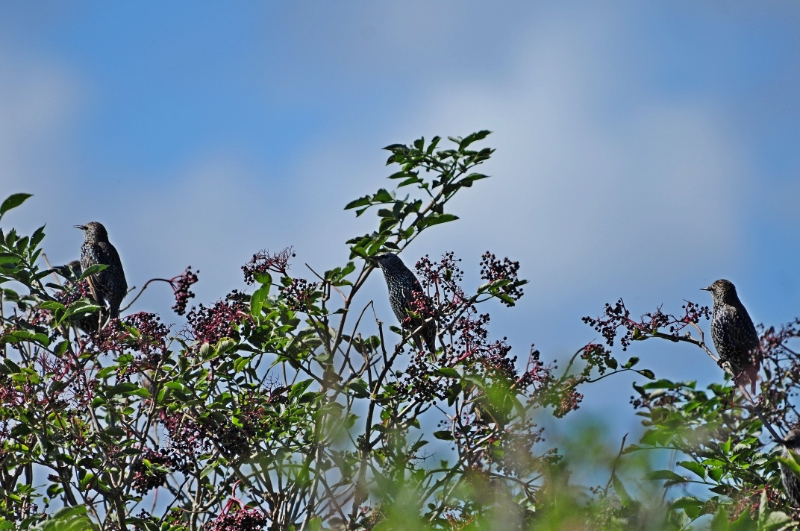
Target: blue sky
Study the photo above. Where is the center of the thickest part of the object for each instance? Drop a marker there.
(644, 149)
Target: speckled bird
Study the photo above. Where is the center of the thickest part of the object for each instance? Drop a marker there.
(403, 289)
(108, 285)
(734, 335)
(790, 480)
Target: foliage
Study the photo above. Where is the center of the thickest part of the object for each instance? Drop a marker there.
(295, 407)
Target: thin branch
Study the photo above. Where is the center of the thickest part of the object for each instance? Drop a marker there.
(142, 290)
(614, 466)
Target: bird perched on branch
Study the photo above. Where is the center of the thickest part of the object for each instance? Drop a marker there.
(108, 285)
(734, 335)
(406, 296)
(790, 480)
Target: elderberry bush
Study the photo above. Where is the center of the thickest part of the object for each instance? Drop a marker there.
(294, 406)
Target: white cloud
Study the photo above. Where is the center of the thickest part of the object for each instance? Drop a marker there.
(582, 196)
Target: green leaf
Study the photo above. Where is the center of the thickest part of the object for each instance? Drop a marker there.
(720, 521)
(668, 475)
(726, 446)
(661, 384)
(624, 498)
(52, 306)
(790, 463)
(87, 479)
(300, 387)
(447, 372)
(240, 364)
(745, 522)
(224, 344)
(691, 505)
(123, 389)
(79, 308)
(631, 362)
(436, 219)
(382, 196)
(469, 179)
(360, 202)
(24, 335)
(37, 236)
(444, 435)
(91, 270)
(208, 469)
(13, 201)
(692, 466)
(716, 473)
(474, 137)
(258, 298)
(67, 519)
(359, 388)
(264, 278)
(8, 258)
(772, 520)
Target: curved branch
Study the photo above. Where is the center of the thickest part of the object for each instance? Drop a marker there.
(144, 288)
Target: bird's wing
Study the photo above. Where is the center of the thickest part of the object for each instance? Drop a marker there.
(90, 280)
(745, 334)
(107, 254)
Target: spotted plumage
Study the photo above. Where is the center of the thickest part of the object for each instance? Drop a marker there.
(733, 333)
(403, 289)
(790, 480)
(108, 285)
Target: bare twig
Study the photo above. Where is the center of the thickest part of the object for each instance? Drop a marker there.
(142, 290)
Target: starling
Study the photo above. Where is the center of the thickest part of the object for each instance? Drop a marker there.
(108, 285)
(404, 288)
(790, 480)
(734, 335)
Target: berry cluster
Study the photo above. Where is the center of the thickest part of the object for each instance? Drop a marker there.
(9, 395)
(181, 288)
(422, 308)
(153, 333)
(209, 325)
(242, 520)
(618, 316)
(74, 292)
(190, 437)
(264, 262)
(494, 270)
(544, 389)
(299, 294)
(155, 475)
(598, 357)
(442, 280)
(149, 338)
(186, 436)
(112, 338)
